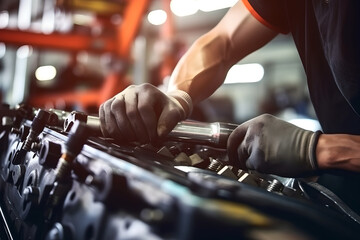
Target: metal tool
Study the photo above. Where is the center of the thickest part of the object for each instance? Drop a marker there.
(92, 122)
(214, 134)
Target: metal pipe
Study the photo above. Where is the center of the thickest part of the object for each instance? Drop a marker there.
(214, 134)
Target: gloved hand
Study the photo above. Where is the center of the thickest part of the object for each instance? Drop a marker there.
(143, 113)
(269, 145)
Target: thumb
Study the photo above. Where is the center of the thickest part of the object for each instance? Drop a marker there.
(168, 119)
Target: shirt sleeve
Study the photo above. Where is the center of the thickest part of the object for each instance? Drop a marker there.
(271, 13)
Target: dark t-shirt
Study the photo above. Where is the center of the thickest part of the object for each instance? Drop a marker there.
(327, 37)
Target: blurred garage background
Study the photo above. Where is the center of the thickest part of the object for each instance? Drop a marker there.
(75, 54)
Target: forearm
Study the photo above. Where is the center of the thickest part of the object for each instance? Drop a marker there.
(203, 68)
(338, 151)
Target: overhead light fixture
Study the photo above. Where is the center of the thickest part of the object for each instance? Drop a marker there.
(45, 73)
(48, 19)
(157, 17)
(183, 8)
(213, 5)
(4, 19)
(24, 14)
(24, 51)
(2, 50)
(83, 18)
(245, 73)
(19, 80)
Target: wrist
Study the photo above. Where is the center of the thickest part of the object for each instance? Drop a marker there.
(184, 99)
(323, 155)
(314, 139)
(338, 151)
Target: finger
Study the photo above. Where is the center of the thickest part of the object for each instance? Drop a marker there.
(123, 124)
(102, 120)
(168, 119)
(132, 112)
(146, 106)
(256, 160)
(236, 146)
(109, 122)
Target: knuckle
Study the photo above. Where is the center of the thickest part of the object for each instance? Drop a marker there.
(115, 105)
(107, 105)
(128, 89)
(149, 90)
(146, 86)
(265, 117)
(131, 87)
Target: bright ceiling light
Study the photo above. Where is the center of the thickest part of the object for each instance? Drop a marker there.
(4, 19)
(83, 18)
(157, 17)
(48, 18)
(2, 50)
(183, 8)
(213, 5)
(245, 73)
(45, 73)
(24, 14)
(24, 51)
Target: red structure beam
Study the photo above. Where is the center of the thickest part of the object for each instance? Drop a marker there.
(119, 43)
(66, 42)
(128, 29)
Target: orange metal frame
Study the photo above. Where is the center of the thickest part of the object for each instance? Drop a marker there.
(120, 44)
(66, 42)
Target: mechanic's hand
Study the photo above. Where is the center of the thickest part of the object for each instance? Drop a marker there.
(143, 113)
(269, 145)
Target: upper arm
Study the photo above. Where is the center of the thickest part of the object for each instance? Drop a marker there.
(244, 33)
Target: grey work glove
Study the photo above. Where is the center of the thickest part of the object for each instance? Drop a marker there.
(269, 145)
(143, 113)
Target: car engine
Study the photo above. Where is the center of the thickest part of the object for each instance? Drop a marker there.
(60, 179)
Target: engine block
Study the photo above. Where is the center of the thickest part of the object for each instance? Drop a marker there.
(58, 183)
